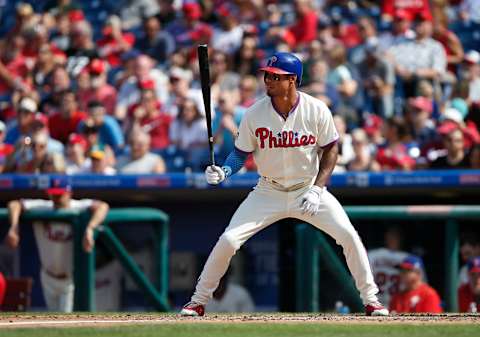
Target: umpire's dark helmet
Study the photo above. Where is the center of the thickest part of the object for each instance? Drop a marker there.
(284, 63)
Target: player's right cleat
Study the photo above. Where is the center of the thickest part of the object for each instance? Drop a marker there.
(376, 309)
(193, 309)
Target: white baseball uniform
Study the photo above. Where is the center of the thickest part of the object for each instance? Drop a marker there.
(386, 275)
(286, 154)
(55, 248)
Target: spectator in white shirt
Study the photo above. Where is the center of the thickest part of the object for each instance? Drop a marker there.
(189, 133)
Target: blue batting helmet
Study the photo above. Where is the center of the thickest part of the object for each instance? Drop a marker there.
(286, 64)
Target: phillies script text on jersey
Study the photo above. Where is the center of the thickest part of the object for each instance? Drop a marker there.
(283, 139)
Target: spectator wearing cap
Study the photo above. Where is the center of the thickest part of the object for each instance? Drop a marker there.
(149, 117)
(14, 67)
(26, 110)
(227, 37)
(109, 131)
(188, 133)
(412, 8)
(129, 92)
(5, 149)
(422, 58)
(114, 42)
(76, 161)
(188, 30)
(55, 240)
(30, 155)
(82, 47)
(418, 115)
(416, 296)
(99, 163)
(140, 160)
(469, 75)
(373, 127)
(97, 88)
(378, 79)
(127, 70)
(28, 123)
(362, 160)
(181, 89)
(455, 156)
(393, 155)
(401, 30)
(469, 293)
(155, 42)
(66, 120)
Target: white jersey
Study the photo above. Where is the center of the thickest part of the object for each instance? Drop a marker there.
(286, 150)
(54, 239)
(383, 262)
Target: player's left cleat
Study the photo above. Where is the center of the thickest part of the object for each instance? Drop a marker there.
(376, 309)
(193, 309)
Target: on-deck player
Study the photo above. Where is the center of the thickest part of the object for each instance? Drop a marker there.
(293, 140)
(54, 240)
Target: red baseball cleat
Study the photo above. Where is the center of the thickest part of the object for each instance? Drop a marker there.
(193, 309)
(376, 309)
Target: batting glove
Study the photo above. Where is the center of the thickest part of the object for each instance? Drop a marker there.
(310, 201)
(214, 175)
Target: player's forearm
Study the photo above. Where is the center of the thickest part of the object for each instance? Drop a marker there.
(99, 214)
(234, 162)
(327, 164)
(14, 211)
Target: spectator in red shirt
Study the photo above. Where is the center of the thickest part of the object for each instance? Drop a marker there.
(416, 296)
(65, 121)
(303, 31)
(149, 118)
(13, 67)
(114, 42)
(469, 293)
(411, 7)
(394, 154)
(97, 88)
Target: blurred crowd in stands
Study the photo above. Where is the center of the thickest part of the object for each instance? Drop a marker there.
(112, 86)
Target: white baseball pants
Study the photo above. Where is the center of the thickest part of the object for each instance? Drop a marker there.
(58, 293)
(264, 206)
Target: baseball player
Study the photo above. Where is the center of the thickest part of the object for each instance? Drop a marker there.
(54, 240)
(384, 262)
(293, 140)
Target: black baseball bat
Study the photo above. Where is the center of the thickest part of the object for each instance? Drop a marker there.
(205, 81)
